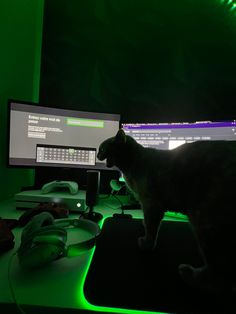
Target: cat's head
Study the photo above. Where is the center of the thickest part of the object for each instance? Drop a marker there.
(113, 149)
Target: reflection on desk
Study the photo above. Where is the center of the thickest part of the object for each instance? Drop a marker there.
(59, 284)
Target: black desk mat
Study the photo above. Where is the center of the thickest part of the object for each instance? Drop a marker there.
(121, 276)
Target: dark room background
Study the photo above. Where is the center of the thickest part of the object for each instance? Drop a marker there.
(153, 60)
(149, 60)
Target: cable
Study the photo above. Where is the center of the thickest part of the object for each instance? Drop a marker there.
(113, 195)
(117, 198)
(114, 208)
(105, 197)
(11, 286)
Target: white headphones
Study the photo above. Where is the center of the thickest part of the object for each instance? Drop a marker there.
(43, 239)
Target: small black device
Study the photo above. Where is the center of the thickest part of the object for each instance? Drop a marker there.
(92, 194)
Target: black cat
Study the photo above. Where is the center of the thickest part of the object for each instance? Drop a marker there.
(197, 179)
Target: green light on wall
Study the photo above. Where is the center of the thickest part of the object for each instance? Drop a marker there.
(228, 2)
(233, 7)
(231, 4)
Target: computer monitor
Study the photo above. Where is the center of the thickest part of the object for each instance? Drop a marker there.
(168, 136)
(42, 136)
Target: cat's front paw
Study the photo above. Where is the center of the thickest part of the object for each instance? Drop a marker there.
(145, 244)
(202, 279)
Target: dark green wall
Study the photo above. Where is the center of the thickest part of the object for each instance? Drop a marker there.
(158, 60)
(20, 53)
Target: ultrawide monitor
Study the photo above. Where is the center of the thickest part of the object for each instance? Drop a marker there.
(168, 136)
(53, 137)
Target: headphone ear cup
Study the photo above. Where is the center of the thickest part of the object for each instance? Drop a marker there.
(36, 223)
(41, 245)
(39, 255)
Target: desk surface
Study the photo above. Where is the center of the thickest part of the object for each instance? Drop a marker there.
(59, 284)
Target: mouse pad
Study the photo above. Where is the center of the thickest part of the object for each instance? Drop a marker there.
(122, 276)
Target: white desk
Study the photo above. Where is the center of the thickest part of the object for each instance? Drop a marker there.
(59, 284)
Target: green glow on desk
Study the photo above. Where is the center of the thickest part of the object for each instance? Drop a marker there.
(172, 216)
(84, 304)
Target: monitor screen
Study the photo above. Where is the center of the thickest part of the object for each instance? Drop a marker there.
(168, 136)
(53, 137)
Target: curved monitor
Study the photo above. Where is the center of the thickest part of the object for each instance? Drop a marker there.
(171, 135)
(53, 137)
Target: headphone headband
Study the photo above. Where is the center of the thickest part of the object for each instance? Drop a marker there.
(84, 224)
(44, 239)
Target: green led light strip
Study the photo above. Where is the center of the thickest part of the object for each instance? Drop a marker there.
(88, 306)
(84, 304)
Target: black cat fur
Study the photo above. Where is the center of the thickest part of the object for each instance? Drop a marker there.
(197, 179)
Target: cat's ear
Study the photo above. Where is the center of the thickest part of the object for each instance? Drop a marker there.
(120, 137)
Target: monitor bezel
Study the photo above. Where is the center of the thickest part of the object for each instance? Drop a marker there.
(38, 104)
(184, 124)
